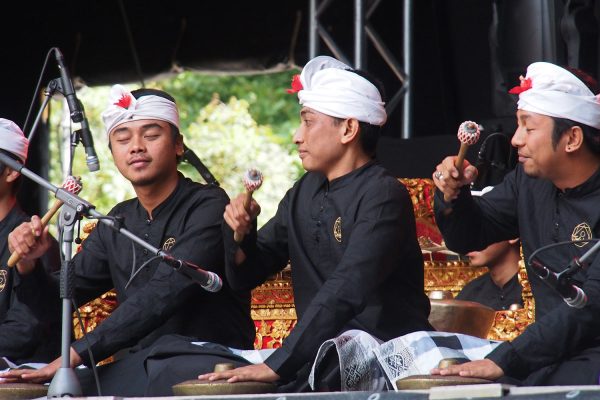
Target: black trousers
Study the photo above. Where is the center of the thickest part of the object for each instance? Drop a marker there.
(154, 370)
(580, 369)
(125, 377)
(174, 359)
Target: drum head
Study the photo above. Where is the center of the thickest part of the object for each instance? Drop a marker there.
(428, 381)
(22, 390)
(195, 387)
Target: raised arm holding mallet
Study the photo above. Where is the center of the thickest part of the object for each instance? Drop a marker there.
(72, 185)
(252, 180)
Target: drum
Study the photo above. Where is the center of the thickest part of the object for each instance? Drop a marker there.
(421, 382)
(22, 390)
(195, 387)
(460, 316)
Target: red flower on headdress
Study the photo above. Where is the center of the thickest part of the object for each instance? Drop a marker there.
(124, 101)
(524, 86)
(296, 85)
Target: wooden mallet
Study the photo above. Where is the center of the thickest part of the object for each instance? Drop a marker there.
(468, 134)
(72, 185)
(252, 180)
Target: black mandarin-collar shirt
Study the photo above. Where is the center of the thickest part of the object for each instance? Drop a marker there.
(160, 300)
(539, 214)
(483, 290)
(355, 259)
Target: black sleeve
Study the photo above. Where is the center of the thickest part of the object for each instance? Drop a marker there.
(91, 275)
(34, 305)
(201, 244)
(21, 331)
(469, 223)
(266, 252)
(378, 236)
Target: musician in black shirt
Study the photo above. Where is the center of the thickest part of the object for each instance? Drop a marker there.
(552, 196)
(170, 212)
(347, 226)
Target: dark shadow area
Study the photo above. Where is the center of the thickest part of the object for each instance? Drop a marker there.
(467, 53)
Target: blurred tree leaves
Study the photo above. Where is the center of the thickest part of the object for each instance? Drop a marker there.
(269, 103)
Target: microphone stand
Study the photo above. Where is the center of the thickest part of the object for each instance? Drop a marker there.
(65, 381)
(48, 93)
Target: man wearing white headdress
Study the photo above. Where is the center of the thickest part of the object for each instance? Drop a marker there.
(347, 227)
(156, 302)
(551, 196)
(28, 333)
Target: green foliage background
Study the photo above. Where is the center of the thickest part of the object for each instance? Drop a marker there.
(268, 102)
(251, 127)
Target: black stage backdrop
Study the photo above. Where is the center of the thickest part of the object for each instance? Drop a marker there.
(467, 54)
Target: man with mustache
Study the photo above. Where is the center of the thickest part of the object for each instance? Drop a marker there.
(552, 196)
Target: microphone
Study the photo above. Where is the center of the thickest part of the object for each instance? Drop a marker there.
(91, 159)
(209, 281)
(67, 88)
(573, 295)
(77, 113)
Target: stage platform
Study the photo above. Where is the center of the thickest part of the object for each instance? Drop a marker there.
(487, 391)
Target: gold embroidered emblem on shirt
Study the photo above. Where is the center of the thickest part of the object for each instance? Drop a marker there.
(168, 244)
(337, 229)
(581, 232)
(3, 274)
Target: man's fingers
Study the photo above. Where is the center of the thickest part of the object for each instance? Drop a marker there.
(30, 241)
(36, 225)
(213, 376)
(45, 238)
(10, 380)
(237, 217)
(485, 369)
(470, 174)
(15, 373)
(24, 375)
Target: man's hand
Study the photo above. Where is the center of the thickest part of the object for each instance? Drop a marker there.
(29, 241)
(41, 375)
(485, 369)
(249, 373)
(238, 218)
(449, 180)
